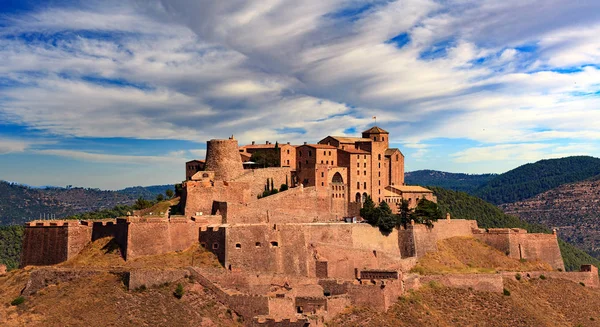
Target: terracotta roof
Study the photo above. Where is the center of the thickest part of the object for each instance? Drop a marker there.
(320, 146)
(375, 130)
(347, 139)
(354, 151)
(196, 161)
(390, 151)
(411, 188)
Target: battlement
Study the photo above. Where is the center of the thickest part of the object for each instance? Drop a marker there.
(499, 231)
(52, 223)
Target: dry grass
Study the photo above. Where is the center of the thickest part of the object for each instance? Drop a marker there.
(105, 253)
(162, 206)
(102, 300)
(468, 255)
(540, 303)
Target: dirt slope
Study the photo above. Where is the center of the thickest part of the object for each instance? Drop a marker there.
(537, 303)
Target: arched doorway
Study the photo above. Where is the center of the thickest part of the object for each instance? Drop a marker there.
(358, 197)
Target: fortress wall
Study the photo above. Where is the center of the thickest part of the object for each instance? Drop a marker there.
(368, 237)
(296, 205)
(447, 228)
(542, 247)
(213, 239)
(498, 240)
(199, 198)
(150, 238)
(425, 239)
(52, 242)
(588, 278)
(375, 296)
(267, 248)
(477, 282)
(257, 178)
(44, 245)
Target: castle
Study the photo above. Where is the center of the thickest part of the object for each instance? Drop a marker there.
(293, 258)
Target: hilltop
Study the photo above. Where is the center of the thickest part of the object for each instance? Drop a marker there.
(452, 181)
(534, 178)
(19, 203)
(572, 208)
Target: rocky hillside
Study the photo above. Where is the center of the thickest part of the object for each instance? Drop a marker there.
(19, 204)
(572, 208)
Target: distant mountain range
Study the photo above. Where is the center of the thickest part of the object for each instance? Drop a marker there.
(19, 203)
(453, 181)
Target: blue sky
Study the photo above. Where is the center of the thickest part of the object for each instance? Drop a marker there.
(111, 94)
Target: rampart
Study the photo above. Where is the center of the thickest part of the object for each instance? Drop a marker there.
(158, 236)
(199, 198)
(588, 275)
(519, 244)
(52, 242)
(296, 205)
(417, 240)
(477, 282)
(154, 277)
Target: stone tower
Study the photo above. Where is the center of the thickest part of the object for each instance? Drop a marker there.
(223, 157)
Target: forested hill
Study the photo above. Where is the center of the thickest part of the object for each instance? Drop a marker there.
(461, 205)
(453, 181)
(532, 179)
(19, 203)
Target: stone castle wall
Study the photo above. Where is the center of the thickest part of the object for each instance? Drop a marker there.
(199, 198)
(52, 242)
(158, 236)
(257, 179)
(296, 205)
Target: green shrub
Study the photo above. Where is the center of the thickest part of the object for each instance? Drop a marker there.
(506, 292)
(284, 187)
(18, 300)
(518, 276)
(542, 277)
(179, 291)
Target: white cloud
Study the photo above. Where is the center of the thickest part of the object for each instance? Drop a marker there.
(109, 158)
(523, 152)
(12, 146)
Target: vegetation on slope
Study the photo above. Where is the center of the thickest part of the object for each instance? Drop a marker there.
(535, 178)
(452, 181)
(535, 302)
(468, 255)
(11, 238)
(460, 205)
(19, 204)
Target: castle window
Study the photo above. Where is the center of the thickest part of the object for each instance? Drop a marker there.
(300, 153)
(215, 246)
(358, 185)
(332, 163)
(307, 162)
(322, 174)
(379, 184)
(358, 172)
(202, 244)
(375, 138)
(365, 156)
(238, 245)
(365, 165)
(288, 151)
(329, 152)
(379, 191)
(358, 164)
(365, 173)
(257, 244)
(327, 162)
(379, 174)
(309, 153)
(379, 156)
(322, 184)
(274, 244)
(383, 138)
(379, 165)
(288, 162)
(321, 161)
(365, 184)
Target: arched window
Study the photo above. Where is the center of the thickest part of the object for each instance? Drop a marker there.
(357, 197)
(337, 179)
(375, 138)
(364, 197)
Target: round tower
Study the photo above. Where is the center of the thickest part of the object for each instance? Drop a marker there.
(223, 157)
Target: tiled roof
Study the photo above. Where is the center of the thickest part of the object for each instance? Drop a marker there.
(411, 188)
(390, 151)
(196, 161)
(263, 146)
(375, 130)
